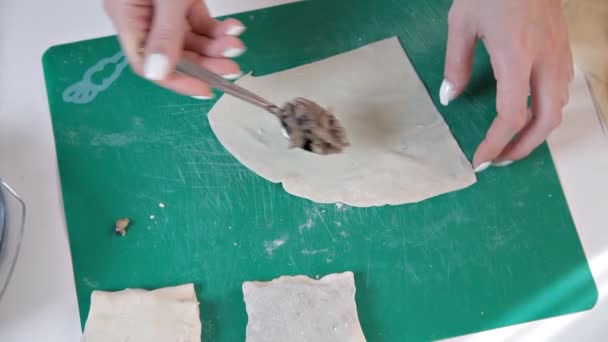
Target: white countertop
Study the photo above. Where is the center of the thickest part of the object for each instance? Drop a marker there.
(40, 302)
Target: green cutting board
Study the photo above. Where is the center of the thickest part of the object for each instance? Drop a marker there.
(501, 252)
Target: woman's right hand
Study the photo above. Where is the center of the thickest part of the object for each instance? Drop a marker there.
(530, 54)
(170, 29)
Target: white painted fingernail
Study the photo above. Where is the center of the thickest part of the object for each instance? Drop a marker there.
(235, 31)
(446, 92)
(232, 76)
(482, 167)
(284, 132)
(503, 163)
(203, 97)
(233, 52)
(156, 67)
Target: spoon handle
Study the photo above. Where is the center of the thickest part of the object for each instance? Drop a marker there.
(216, 81)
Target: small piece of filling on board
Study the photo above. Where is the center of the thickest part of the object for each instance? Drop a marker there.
(120, 227)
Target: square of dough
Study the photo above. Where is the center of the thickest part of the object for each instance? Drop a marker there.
(401, 151)
(303, 309)
(135, 315)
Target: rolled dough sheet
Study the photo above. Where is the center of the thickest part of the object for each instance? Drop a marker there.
(303, 309)
(135, 315)
(401, 148)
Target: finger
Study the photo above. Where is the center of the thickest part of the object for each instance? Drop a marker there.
(499, 135)
(132, 24)
(186, 85)
(565, 96)
(226, 46)
(547, 99)
(566, 63)
(190, 86)
(165, 41)
(569, 61)
(228, 27)
(203, 24)
(461, 43)
(221, 66)
(566, 49)
(511, 105)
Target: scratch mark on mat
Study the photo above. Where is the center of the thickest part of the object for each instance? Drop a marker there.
(379, 217)
(204, 143)
(307, 225)
(271, 246)
(264, 205)
(449, 271)
(181, 105)
(341, 207)
(181, 175)
(369, 263)
(190, 110)
(194, 127)
(158, 178)
(293, 262)
(90, 283)
(113, 139)
(314, 251)
(406, 266)
(197, 173)
(324, 224)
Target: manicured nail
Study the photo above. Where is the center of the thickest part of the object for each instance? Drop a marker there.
(482, 167)
(503, 163)
(235, 31)
(156, 67)
(203, 97)
(233, 52)
(446, 92)
(284, 132)
(232, 76)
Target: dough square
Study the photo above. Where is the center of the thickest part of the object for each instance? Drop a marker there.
(135, 315)
(401, 151)
(299, 308)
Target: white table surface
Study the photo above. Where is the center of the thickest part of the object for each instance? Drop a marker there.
(40, 303)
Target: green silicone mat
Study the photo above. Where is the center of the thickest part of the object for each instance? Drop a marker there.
(501, 252)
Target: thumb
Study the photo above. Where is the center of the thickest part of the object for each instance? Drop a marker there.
(165, 42)
(459, 57)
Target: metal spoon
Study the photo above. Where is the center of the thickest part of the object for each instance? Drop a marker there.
(308, 125)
